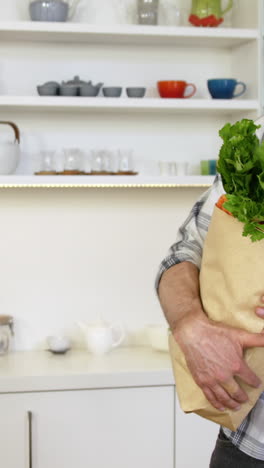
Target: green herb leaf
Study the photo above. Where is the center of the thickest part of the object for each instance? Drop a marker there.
(241, 165)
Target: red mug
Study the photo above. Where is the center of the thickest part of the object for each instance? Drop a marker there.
(175, 89)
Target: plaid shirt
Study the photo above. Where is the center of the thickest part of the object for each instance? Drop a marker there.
(249, 437)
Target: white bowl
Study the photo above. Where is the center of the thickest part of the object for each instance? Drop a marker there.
(58, 344)
(158, 337)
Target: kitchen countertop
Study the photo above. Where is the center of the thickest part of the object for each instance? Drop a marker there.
(29, 371)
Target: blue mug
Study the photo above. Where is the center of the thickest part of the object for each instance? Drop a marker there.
(224, 88)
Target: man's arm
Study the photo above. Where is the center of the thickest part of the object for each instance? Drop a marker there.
(213, 351)
(179, 294)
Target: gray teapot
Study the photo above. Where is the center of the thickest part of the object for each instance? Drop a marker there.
(71, 87)
(90, 90)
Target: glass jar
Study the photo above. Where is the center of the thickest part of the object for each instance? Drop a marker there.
(148, 12)
(6, 331)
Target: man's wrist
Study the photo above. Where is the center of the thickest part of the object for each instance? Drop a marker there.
(190, 317)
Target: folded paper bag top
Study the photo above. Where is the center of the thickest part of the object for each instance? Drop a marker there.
(231, 284)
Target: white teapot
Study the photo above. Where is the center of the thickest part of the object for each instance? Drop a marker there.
(100, 336)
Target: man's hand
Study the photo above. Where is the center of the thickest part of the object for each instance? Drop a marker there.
(214, 354)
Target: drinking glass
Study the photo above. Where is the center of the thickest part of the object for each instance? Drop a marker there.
(72, 159)
(181, 168)
(97, 161)
(45, 161)
(148, 12)
(126, 160)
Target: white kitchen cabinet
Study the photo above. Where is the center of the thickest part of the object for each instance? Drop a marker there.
(195, 439)
(113, 428)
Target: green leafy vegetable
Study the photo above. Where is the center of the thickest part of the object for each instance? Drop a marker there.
(241, 165)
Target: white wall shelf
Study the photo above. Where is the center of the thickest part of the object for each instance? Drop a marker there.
(32, 181)
(127, 104)
(129, 34)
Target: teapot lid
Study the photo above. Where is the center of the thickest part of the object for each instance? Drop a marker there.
(76, 81)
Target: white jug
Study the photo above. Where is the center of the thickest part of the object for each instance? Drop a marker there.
(99, 336)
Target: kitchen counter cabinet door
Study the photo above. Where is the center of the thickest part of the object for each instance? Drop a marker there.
(195, 439)
(113, 428)
(14, 442)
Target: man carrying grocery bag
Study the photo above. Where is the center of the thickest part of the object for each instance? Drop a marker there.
(211, 289)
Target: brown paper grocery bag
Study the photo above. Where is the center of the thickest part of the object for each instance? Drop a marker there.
(231, 283)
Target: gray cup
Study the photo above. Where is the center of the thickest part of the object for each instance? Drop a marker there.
(49, 10)
(112, 91)
(47, 90)
(136, 92)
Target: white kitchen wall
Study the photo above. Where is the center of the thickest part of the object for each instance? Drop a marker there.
(69, 254)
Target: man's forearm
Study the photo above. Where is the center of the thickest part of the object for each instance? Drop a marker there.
(179, 294)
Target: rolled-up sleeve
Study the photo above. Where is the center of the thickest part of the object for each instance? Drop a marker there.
(191, 235)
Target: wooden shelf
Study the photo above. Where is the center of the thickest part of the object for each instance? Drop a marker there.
(127, 34)
(32, 181)
(100, 104)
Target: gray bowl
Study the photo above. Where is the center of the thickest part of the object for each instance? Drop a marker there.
(68, 90)
(89, 90)
(136, 92)
(41, 10)
(112, 91)
(48, 90)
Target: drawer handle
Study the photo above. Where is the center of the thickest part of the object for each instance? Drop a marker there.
(30, 438)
